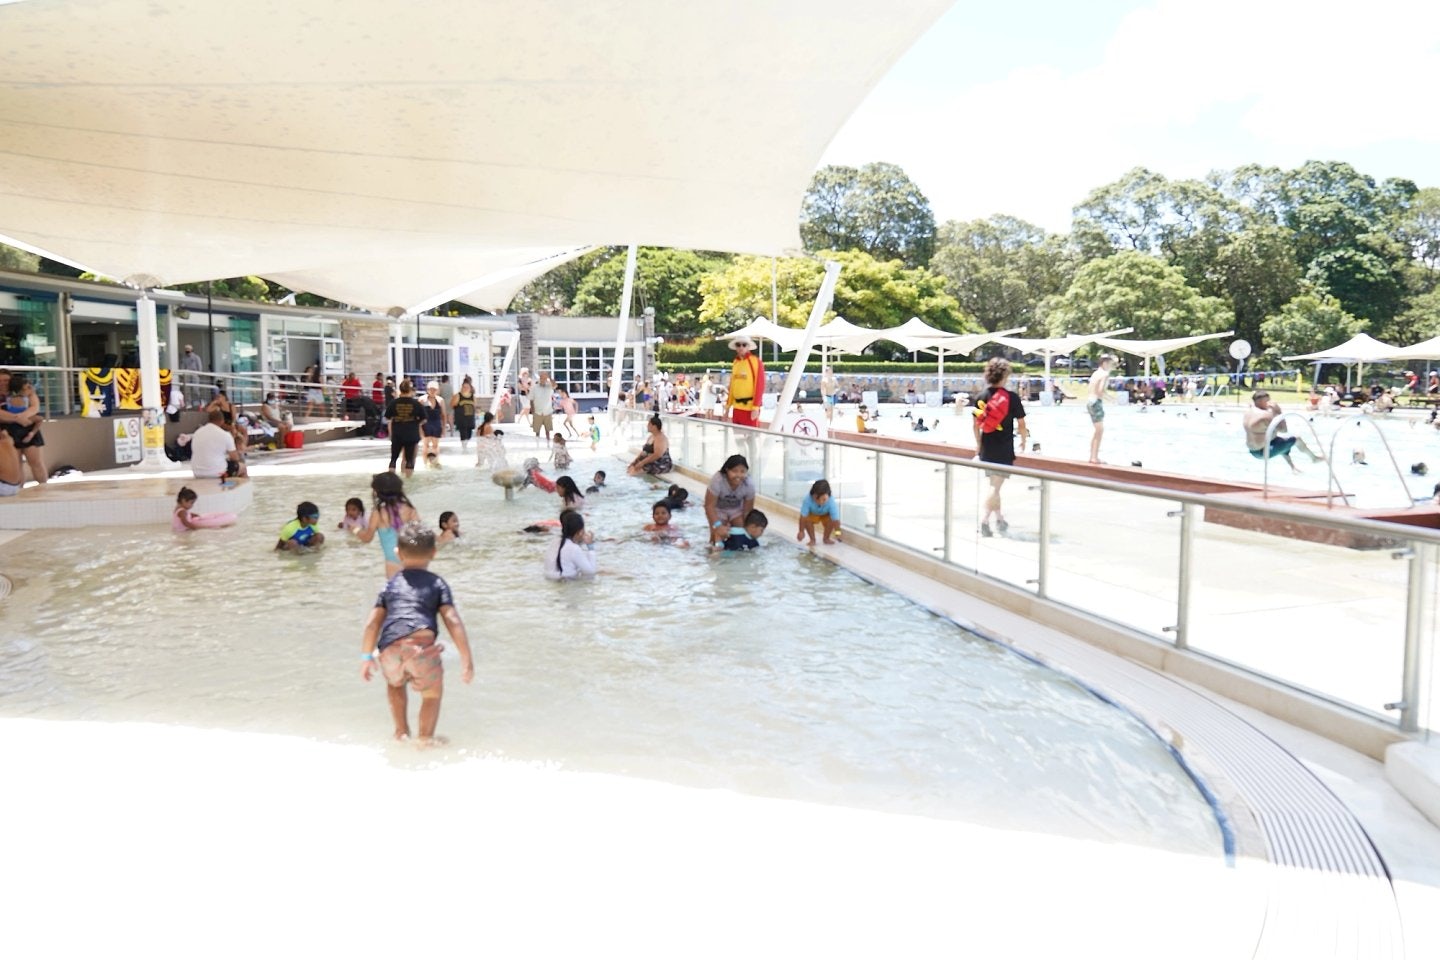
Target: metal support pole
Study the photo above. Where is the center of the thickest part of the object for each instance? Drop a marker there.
(152, 417)
(797, 368)
(621, 329)
(1042, 575)
(1181, 627)
(1414, 636)
(879, 489)
(949, 511)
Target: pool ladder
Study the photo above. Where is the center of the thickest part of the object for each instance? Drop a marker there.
(1332, 482)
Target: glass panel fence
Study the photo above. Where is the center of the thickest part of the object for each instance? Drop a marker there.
(1000, 533)
(1280, 600)
(851, 472)
(1115, 555)
(910, 500)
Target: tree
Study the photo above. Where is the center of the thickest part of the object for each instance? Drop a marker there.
(1000, 269)
(1420, 232)
(13, 258)
(1420, 320)
(553, 293)
(869, 292)
(1312, 321)
(232, 288)
(666, 279)
(1124, 215)
(1256, 274)
(875, 208)
(1137, 290)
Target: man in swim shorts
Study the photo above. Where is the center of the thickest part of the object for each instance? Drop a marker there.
(1257, 424)
(1095, 402)
(829, 387)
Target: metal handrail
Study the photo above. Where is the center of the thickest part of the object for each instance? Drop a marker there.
(1374, 528)
(1332, 482)
(1365, 417)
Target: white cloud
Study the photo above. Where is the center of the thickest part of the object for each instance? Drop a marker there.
(1180, 86)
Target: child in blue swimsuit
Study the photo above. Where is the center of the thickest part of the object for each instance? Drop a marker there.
(393, 510)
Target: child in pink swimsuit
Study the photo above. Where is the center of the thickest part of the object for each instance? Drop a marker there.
(184, 518)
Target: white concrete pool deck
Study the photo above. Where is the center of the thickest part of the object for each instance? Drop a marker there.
(188, 842)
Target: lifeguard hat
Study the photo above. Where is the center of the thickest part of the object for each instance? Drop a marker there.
(742, 341)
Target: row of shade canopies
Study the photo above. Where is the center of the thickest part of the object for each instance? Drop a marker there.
(1363, 348)
(842, 336)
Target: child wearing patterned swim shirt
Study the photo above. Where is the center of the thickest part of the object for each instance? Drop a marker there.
(300, 534)
(401, 631)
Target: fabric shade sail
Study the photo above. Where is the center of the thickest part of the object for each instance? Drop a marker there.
(1361, 348)
(1156, 348)
(371, 152)
(1424, 350)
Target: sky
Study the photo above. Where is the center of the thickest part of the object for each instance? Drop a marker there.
(1025, 107)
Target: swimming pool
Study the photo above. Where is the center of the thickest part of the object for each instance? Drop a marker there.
(775, 674)
(1208, 441)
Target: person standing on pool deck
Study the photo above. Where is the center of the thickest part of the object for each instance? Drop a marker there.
(404, 414)
(747, 384)
(999, 414)
(829, 387)
(1257, 424)
(1095, 402)
(401, 632)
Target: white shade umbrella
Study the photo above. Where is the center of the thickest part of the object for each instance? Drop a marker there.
(1359, 349)
(1157, 348)
(763, 328)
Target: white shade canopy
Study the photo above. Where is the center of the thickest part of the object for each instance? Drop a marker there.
(1361, 348)
(915, 332)
(763, 328)
(1156, 348)
(842, 335)
(962, 343)
(1057, 346)
(377, 152)
(1424, 350)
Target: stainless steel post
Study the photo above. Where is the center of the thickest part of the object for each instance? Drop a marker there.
(1181, 628)
(1414, 634)
(879, 489)
(949, 510)
(1042, 576)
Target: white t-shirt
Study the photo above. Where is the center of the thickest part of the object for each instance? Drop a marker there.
(208, 449)
(542, 399)
(576, 562)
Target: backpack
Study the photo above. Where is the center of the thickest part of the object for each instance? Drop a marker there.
(992, 410)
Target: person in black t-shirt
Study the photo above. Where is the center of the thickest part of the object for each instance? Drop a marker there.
(998, 415)
(405, 415)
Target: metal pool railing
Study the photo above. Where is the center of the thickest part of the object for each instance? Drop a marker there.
(1339, 607)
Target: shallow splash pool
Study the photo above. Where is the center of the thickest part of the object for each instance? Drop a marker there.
(775, 673)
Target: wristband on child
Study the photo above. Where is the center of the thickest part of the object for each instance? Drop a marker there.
(367, 656)
(717, 524)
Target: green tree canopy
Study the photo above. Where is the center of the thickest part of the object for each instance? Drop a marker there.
(1000, 269)
(1420, 320)
(1133, 289)
(875, 208)
(553, 293)
(869, 293)
(1312, 321)
(666, 279)
(13, 258)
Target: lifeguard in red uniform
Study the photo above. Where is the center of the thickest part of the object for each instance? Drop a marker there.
(747, 384)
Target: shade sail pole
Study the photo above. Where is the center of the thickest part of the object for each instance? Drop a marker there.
(802, 354)
(621, 329)
(504, 376)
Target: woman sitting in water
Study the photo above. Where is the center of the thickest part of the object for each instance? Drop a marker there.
(574, 558)
(654, 457)
(489, 450)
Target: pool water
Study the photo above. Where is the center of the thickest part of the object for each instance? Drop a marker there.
(1208, 441)
(774, 673)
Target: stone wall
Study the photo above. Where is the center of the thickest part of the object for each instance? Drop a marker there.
(367, 348)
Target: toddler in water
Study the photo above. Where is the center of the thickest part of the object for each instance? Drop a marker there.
(354, 519)
(747, 537)
(676, 498)
(559, 454)
(662, 530)
(401, 632)
(185, 519)
(449, 527)
(300, 535)
(594, 434)
(597, 483)
(819, 507)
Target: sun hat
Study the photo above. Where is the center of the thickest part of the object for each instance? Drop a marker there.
(742, 341)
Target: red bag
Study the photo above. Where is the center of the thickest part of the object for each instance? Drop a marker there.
(294, 440)
(992, 411)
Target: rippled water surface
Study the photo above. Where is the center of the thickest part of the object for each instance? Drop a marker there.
(773, 673)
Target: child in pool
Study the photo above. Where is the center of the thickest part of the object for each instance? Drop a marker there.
(185, 518)
(393, 510)
(559, 455)
(594, 434)
(300, 535)
(432, 460)
(676, 498)
(401, 631)
(574, 558)
(597, 483)
(449, 527)
(570, 496)
(747, 537)
(354, 519)
(819, 507)
(662, 530)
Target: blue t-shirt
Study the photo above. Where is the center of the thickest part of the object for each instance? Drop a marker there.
(809, 508)
(412, 601)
